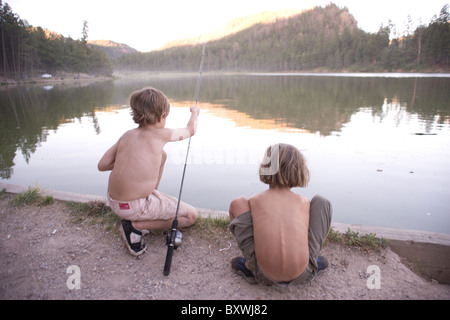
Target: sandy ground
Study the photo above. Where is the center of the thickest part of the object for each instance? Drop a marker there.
(39, 245)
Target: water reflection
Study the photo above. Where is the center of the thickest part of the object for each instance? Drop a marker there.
(309, 104)
(362, 124)
(29, 112)
(315, 104)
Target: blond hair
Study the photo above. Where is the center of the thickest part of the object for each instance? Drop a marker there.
(148, 105)
(284, 166)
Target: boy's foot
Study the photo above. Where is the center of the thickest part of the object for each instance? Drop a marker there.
(132, 238)
(322, 264)
(238, 266)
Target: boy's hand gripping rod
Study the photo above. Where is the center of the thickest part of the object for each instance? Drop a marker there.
(172, 240)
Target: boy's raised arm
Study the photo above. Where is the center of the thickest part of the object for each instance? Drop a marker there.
(191, 127)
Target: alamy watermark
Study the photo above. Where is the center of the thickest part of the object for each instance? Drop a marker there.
(374, 279)
(74, 280)
(231, 155)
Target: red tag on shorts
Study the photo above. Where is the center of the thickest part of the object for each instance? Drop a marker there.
(124, 206)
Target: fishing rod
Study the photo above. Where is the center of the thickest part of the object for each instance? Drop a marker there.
(175, 238)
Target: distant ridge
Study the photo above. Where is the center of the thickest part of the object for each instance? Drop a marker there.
(269, 41)
(113, 49)
(318, 39)
(233, 27)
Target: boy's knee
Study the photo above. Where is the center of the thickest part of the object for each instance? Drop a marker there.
(321, 202)
(238, 206)
(321, 210)
(239, 202)
(191, 215)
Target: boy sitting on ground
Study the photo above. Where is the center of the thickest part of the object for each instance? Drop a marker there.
(279, 232)
(136, 162)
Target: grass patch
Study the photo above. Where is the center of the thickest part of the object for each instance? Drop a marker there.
(210, 224)
(93, 212)
(212, 228)
(33, 195)
(30, 196)
(47, 200)
(351, 238)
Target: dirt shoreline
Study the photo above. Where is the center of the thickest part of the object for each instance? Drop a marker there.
(39, 244)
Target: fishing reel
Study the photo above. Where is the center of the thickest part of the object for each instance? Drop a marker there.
(178, 239)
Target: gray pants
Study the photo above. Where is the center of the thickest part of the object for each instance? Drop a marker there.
(319, 225)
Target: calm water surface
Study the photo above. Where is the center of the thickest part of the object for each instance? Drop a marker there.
(377, 147)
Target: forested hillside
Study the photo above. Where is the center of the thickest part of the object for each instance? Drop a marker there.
(232, 27)
(28, 51)
(318, 39)
(112, 49)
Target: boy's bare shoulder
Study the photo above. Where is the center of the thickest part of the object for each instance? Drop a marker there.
(152, 131)
(258, 196)
(162, 132)
(130, 132)
(301, 200)
(128, 135)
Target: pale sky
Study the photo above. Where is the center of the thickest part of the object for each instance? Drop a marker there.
(148, 24)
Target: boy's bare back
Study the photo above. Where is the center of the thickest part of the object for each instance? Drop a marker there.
(282, 238)
(135, 160)
(280, 224)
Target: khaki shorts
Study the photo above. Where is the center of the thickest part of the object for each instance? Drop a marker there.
(319, 226)
(157, 206)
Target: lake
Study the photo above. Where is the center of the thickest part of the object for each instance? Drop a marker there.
(377, 146)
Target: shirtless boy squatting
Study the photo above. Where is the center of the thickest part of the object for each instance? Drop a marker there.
(136, 162)
(279, 232)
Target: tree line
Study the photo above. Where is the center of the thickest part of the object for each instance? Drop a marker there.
(28, 51)
(323, 38)
(319, 39)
